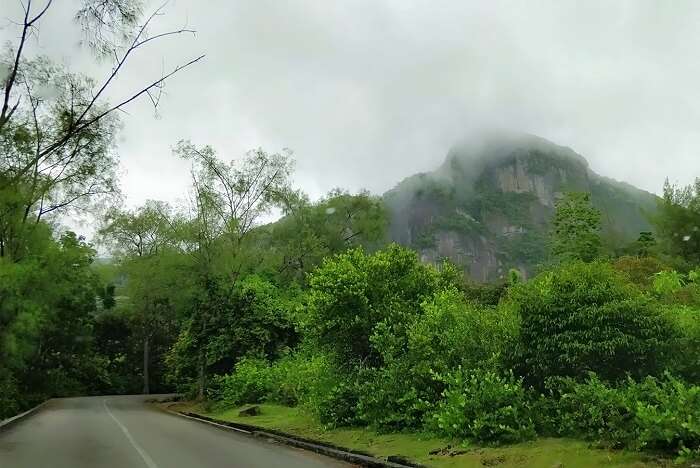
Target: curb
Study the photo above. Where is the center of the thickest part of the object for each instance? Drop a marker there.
(7, 423)
(329, 450)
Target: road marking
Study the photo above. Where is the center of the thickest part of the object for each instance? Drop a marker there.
(144, 456)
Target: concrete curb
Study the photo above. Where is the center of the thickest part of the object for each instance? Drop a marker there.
(7, 423)
(322, 448)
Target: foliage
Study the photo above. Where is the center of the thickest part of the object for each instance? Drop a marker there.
(310, 232)
(260, 327)
(645, 244)
(658, 414)
(46, 340)
(584, 317)
(685, 354)
(301, 377)
(57, 131)
(667, 282)
(639, 270)
(576, 228)
(354, 294)
(488, 294)
(677, 221)
(449, 333)
(483, 406)
(249, 383)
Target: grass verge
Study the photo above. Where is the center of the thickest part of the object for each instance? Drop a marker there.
(539, 453)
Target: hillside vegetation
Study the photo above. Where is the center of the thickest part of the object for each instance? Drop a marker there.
(488, 207)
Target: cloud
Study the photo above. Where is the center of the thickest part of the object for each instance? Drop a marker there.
(368, 92)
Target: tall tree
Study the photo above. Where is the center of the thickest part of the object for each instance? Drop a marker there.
(576, 228)
(228, 201)
(677, 221)
(311, 231)
(57, 130)
(149, 256)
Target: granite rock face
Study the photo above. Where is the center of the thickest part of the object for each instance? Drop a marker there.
(488, 207)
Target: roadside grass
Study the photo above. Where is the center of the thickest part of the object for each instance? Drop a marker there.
(539, 453)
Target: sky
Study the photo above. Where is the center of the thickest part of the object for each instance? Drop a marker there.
(368, 92)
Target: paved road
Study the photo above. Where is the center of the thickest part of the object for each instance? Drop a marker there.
(124, 432)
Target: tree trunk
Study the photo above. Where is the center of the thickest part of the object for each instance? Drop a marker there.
(200, 390)
(146, 344)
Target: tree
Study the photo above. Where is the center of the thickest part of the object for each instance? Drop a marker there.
(57, 131)
(677, 222)
(252, 318)
(576, 228)
(355, 298)
(311, 231)
(645, 243)
(228, 202)
(586, 317)
(154, 266)
(46, 341)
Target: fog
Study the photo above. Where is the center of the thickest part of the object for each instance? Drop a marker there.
(368, 92)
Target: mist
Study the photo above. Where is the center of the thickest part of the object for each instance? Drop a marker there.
(367, 93)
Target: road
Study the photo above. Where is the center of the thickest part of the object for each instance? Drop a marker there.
(125, 432)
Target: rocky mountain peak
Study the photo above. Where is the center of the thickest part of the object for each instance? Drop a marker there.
(488, 206)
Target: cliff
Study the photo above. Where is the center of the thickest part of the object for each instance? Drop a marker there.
(488, 207)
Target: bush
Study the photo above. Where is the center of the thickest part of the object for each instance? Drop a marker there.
(657, 414)
(309, 379)
(448, 333)
(667, 282)
(353, 292)
(251, 382)
(639, 270)
(483, 406)
(583, 317)
(338, 405)
(684, 359)
(452, 332)
(299, 377)
(592, 409)
(392, 398)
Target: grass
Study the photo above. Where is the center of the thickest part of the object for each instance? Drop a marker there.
(540, 453)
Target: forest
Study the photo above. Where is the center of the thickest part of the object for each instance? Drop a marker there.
(318, 310)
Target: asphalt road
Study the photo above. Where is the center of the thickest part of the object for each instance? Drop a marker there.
(125, 432)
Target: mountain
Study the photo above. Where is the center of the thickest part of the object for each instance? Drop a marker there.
(488, 207)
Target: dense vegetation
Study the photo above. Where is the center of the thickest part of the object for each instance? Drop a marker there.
(319, 310)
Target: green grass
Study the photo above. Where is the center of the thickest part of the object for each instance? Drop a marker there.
(540, 453)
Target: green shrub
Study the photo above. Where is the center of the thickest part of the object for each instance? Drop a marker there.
(309, 378)
(583, 317)
(390, 398)
(483, 406)
(448, 333)
(667, 415)
(684, 359)
(592, 409)
(657, 414)
(300, 377)
(667, 282)
(354, 292)
(639, 270)
(251, 382)
(338, 405)
(452, 332)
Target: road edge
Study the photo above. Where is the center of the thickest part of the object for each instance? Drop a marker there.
(338, 453)
(9, 422)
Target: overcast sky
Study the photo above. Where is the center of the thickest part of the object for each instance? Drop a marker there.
(368, 92)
